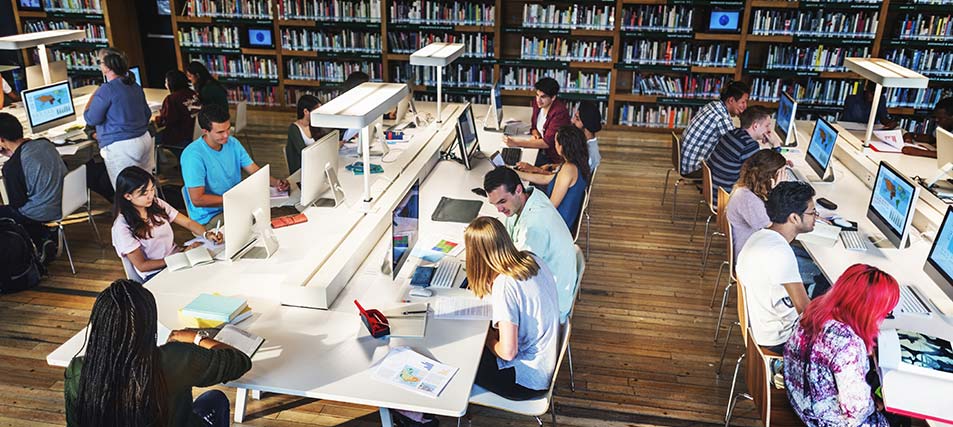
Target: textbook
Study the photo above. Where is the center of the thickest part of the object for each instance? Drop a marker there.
(242, 340)
(215, 307)
(199, 323)
(188, 259)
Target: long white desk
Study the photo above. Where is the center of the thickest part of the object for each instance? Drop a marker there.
(922, 397)
(327, 354)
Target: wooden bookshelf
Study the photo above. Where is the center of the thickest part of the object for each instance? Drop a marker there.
(116, 17)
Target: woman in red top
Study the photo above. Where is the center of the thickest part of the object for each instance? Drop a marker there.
(544, 126)
(177, 114)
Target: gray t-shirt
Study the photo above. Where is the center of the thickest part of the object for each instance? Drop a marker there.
(747, 214)
(44, 171)
(532, 305)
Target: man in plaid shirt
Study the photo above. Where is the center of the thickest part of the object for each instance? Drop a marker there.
(711, 122)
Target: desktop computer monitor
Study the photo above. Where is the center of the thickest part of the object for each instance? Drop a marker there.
(821, 148)
(314, 159)
(405, 228)
(727, 21)
(497, 96)
(135, 73)
(34, 74)
(49, 106)
(467, 135)
(939, 263)
(944, 147)
(784, 123)
(892, 202)
(241, 203)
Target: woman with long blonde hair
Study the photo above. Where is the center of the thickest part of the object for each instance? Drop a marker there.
(523, 342)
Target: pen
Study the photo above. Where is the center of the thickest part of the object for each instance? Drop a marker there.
(217, 226)
(414, 312)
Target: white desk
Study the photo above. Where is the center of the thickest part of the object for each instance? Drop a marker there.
(327, 354)
(923, 396)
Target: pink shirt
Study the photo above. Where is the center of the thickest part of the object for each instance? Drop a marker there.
(161, 245)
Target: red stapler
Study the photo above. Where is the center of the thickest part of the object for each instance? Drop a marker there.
(374, 321)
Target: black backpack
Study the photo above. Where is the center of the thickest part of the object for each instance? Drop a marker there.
(20, 266)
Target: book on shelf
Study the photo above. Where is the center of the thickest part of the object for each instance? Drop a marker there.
(73, 6)
(815, 23)
(657, 52)
(571, 81)
(655, 116)
(240, 66)
(664, 18)
(915, 98)
(925, 27)
(810, 58)
(465, 75)
(815, 91)
(215, 307)
(591, 17)
(254, 95)
(929, 62)
(687, 86)
(327, 71)
(206, 36)
(189, 258)
(242, 9)
(478, 45)
(561, 49)
(366, 11)
(434, 13)
(95, 33)
(345, 40)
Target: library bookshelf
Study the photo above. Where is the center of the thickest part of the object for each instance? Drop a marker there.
(111, 23)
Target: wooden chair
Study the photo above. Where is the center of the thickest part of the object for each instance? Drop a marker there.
(676, 167)
(773, 405)
(713, 212)
(75, 198)
(724, 227)
(742, 324)
(584, 213)
(580, 271)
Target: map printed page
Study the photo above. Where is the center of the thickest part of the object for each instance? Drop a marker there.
(410, 370)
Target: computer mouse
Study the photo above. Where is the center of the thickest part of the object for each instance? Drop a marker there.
(421, 292)
(841, 222)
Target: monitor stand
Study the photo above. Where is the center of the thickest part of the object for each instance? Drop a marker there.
(263, 235)
(491, 110)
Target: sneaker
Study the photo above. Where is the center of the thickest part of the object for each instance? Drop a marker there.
(777, 373)
(47, 252)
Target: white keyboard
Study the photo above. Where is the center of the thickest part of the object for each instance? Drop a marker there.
(853, 240)
(447, 270)
(69, 136)
(792, 175)
(911, 302)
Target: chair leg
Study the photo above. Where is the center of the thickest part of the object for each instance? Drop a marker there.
(695, 220)
(675, 198)
(721, 313)
(709, 240)
(734, 382)
(572, 380)
(552, 410)
(665, 186)
(587, 233)
(731, 406)
(714, 289)
(724, 349)
(66, 246)
(92, 222)
(539, 421)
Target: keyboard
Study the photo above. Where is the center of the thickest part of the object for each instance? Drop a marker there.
(911, 302)
(511, 156)
(790, 174)
(447, 270)
(853, 240)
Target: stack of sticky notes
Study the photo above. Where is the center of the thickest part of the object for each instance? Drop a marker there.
(213, 310)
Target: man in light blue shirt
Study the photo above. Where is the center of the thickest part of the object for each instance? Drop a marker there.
(535, 226)
(213, 164)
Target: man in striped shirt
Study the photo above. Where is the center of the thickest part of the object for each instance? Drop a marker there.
(738, 145)
(711, 122)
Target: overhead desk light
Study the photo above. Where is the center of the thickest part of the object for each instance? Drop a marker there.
(39, 40)
(358, 108)
(885, 74)
(437, 55)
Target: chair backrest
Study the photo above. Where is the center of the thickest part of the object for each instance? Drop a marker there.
(75, 192)
(580, 271)
(676, 152)
(722, 220)
(582, 211)
(185, 196)
(707, 187)
(131, 272)
(566, 329)
(742, 298)
(756, 378)
(196, 130)
(241, 116)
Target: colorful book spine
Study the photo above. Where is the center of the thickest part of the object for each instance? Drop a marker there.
(570, 81)
(326, 71)
(219, 37)
(243, 9)
(474, 75)
(255, 95)
(655, 116)
(563, 49)
(434, 13)
(74, 6)
(95, 33)
(239, 66)
(344, 40)
(812, 58)
(686, 86)
(815, 23)
(478, 45)
(815, 91)
(916, 98)
(922, 26)
(929, 62)
(331, 10)
(664, 18)
(592, 17)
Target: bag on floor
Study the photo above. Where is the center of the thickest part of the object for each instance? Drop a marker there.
(20, 266)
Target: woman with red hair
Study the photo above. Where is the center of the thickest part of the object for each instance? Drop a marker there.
(826, 359)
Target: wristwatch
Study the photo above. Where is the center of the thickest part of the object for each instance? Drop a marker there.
(199, 336)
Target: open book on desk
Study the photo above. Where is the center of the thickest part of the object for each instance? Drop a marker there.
(189, 258)
(824, 234)
(241, 339)
(412, 371)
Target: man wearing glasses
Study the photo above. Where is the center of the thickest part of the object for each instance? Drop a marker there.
(549, 114)
(768, 267)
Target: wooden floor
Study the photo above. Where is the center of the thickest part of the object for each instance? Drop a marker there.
(642, 342)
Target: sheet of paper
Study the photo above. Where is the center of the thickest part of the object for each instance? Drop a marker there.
(462, 308)
(893, 138)
(67, 150)
(883, 147)
(411, 371)
(823, 234)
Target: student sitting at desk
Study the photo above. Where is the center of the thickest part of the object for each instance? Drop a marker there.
(177, 114)
(738, 145)
(857, 108)
(549, 115)
(125, 379)
(536, 226)
(142, 231)
(712, 121)
(565, 183)
(768, 269)
(826, 360)
(210, 90)
(300, 131)
(942, 117)
(213, 164)
(8, 95)
(121, 115)
(523, 342)
(589, 120)
(33, 177)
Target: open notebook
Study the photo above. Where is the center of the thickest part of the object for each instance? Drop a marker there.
(190, 258)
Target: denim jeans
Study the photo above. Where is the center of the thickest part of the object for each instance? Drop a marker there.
(212, 406)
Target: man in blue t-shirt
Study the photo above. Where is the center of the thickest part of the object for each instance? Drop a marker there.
(213, 164)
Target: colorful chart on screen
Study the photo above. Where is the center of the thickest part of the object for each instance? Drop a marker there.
(892, 199)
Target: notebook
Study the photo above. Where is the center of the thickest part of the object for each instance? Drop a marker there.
(456, 210)
(188, 259)
(242, 340)
(215, 307)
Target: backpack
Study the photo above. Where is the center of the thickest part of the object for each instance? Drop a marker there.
(20, 266)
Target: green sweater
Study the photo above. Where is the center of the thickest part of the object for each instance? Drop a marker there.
(214, 93)
(184, 366)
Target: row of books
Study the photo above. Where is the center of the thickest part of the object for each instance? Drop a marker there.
(564, 49)
(570, 81)
(325, 71)
(95, 33)
(345, 40)
(688, 86)
(428, 12)
(455, 75)
(811, 58)
(917, 125)
(815, 91)
(74, 59)
(666, 18)
(916, 98)
(73, 6)
(479, 45)
(219, 37)
(451, 97)
(255, 95)
(293, 93)
(331, 10)
(239, 67)
(655, 116)
(601, 105)
(815, 23)
(660, 52)
(925, 27)
(246, 9)
(591, 17)
(930, 62)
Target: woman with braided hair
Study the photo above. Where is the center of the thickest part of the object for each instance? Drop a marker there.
(125, 379)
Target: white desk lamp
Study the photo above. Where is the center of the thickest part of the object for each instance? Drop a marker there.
(437, 55)
(39, 40)
(885, 74)
(359, 108)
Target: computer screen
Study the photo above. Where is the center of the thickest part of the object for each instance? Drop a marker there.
(724, 20)
(821, 148)
(467, 135)
(785, 117)
(135, 72)
(939, 263)
(891, 204)
(944, 147)
(49, 106)
(29, 5)
(314, 159)
(260, 37)
(405, 227)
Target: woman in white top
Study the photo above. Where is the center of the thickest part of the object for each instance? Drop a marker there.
(523, 342)
(142, 231)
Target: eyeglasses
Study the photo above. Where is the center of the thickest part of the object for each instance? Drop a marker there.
(812, 213)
